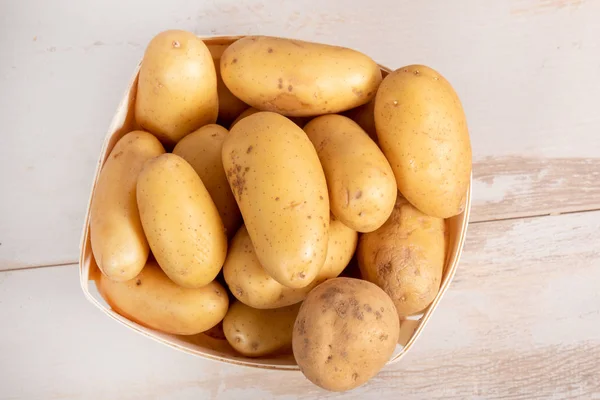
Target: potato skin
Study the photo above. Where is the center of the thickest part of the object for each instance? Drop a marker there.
(364, 116)
(252, 285)
(202, 150)
(181, 221)
(345, 332)
(297, 78)
(256, 333)
(300, 121)
(229, 105)
(280, 188)
(118, 242)
(405, 257)
(362, 188)
(422, 130)
(153, 300)
(177, 86)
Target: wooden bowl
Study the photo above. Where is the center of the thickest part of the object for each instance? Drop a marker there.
(206, 346)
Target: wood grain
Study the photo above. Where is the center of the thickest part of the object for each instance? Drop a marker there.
(521, 321)
(526, 80)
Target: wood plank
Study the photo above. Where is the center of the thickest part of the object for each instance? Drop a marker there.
(523, 69)
(520, 322)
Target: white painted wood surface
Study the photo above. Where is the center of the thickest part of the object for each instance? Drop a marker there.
(521, 321)
(522, 318)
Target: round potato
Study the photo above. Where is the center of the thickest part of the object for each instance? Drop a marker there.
(229, 105)
(253, 286)
(300, 121)
(280, 188)
(364, 116)
(422, 130)
(118, 242)
(181, 221)
(361, 184)
(177, 86)
(202, 150)
(153, 300)
(345, 332)
(256, 333)
(405, 257)
(297, 78)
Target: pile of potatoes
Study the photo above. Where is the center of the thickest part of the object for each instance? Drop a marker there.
(325, 164)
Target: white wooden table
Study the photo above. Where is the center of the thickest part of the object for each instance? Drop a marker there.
(522, 318)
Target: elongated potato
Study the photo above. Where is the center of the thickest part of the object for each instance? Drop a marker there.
(279, 185)
(253, 286)
(297, 78)
(405, 257)
(229, 105)
(181, 221)
(256, 333)
(118, 242)
(361, 184)
(177, 86)
(300, 121)
(202, 150)
(153, 300)
(422, 130)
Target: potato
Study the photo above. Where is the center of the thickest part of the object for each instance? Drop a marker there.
(300, 121)
(202, 150)
(256, 333)
(361, 184)
(297, 78)
(345, 332)
(229, 105)
(405, 257)
(422, 130)
(118, 242)
(153, 300)
(279, 185)
(252, 285)
(364, 116)
(177, 86)
(181, 221)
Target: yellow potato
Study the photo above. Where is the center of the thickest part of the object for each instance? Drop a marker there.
(405, 257)
(364, 116)
(361, 184)
(181, 221)
(345, 332)
(279, 185)
(153, 300)
(118, 242)
(229, 105)
(202, 150)
(422, 130)
(297, 78)
(177, 86)
(256, 333)
(300, 121)
(252, 285)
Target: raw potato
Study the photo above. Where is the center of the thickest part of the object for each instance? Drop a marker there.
(256, 333)
(345, 332)
(153, 300)
(362, 188)
(177, 86)
(118, 242)
(229, 105)
(300, 121)
(202, 150)
(297, 78)
(405, 257)
(364, 116)
(252, 285)
(181, 222)
(279, 185)
(422, 130)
